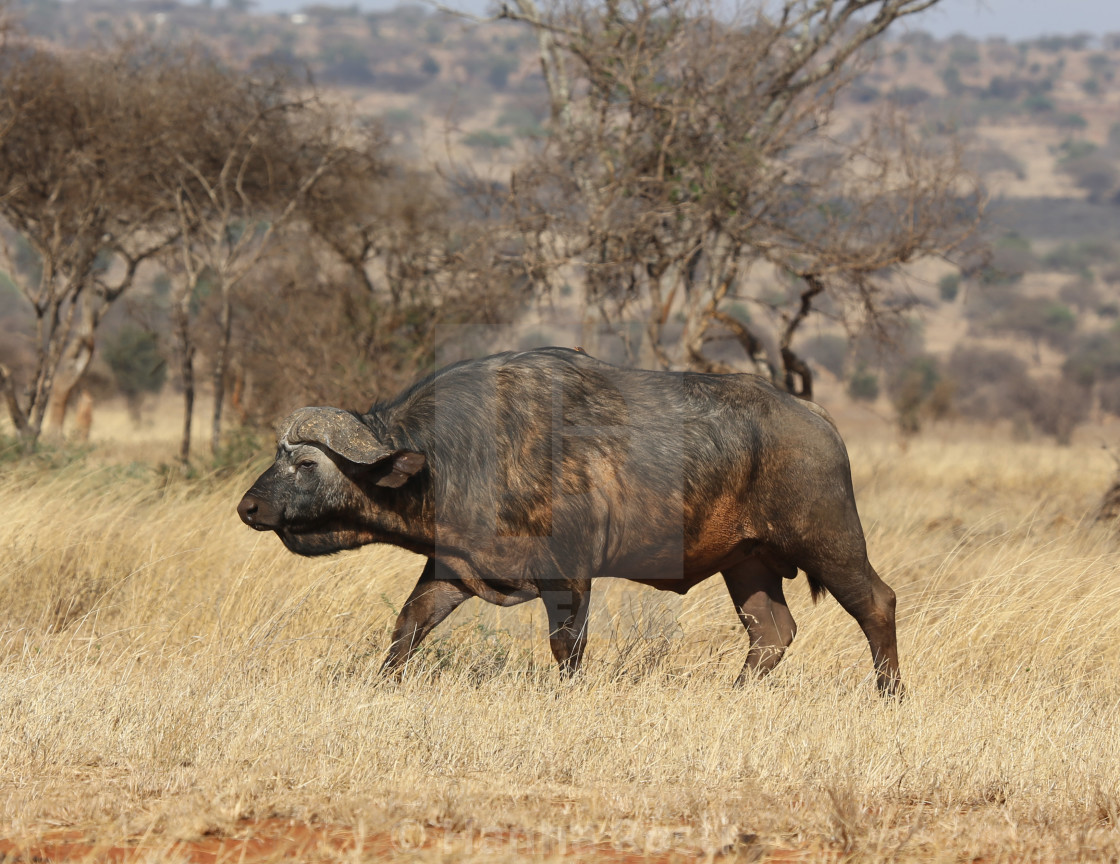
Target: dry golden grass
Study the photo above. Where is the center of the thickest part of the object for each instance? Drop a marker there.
(165, 672)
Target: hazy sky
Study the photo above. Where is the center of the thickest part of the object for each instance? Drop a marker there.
(1021, 19)
(1015, 19)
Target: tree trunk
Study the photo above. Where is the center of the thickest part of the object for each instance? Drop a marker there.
(84, 419)
(221, 362)
(73, 367)
(237, 397)
(796, 368)
(15, 410)
(78, 355)
(54, 327)
(186, 371)
(181, 321)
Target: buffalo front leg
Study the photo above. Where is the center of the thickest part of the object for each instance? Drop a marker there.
(432, 600)
(567, 623)
(756, 590)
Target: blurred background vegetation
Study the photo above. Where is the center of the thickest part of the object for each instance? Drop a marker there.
(257, 211)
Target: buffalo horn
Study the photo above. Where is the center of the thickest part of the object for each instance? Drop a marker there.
(337, 430)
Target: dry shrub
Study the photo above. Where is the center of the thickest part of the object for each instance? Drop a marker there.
(1058, 407)
(336, 344)
(990, 159)
(990, 384)
(919, 392)
(993, 385)
(1082, 294)
(349, 340)
(1109, 395)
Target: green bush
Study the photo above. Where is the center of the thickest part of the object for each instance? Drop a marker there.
(433, 32)
(1078, 257)
(1071, 121)
(517, 116)
(1040, 319)
(964, 55)
(951, 78)
(1012, 257)
(1080, 293)
(1093, 359)
(863, 386)
(134, 356)
(1055, 44)
(1096, 174)
(948, 286)
(1036, 103)
(862, 94)
(915, 392)
(989, 384)
(524, 123)
(1075, 148)
(399, 118)
(1098, 63)
(500, 69)
(241, 447)
(908, 97)
(986, 160)
(484, 139)
(1004, 88)
(1013, 240)
(996, 276)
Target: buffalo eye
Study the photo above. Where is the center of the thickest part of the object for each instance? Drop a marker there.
(307, 465)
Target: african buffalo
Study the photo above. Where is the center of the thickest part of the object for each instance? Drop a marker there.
(528, 474)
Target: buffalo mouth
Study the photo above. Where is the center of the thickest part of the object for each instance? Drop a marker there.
(312, 541)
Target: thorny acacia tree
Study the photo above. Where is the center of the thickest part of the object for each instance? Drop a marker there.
(692, 159)
(239, 160)
(383, 221)
(390, 228)
(76, 186)
(428, 252)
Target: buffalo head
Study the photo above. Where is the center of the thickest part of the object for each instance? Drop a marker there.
(323, 491)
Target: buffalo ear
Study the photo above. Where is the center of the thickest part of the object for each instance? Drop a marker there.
(337, 430)
(404, 464)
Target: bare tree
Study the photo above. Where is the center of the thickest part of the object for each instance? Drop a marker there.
(385, 221)
(364, 314)
(693, 167)
(428, 250)
(76, 187)
(240, 159)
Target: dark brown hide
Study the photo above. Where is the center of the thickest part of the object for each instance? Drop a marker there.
(529, 474)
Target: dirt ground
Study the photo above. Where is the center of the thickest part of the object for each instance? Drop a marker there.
(269, 840)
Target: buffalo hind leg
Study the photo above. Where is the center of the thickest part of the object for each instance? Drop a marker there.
(869, 600)
(566, 608)
(432, 600)
(756, 590)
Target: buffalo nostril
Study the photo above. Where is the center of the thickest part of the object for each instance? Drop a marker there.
(247, 509)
